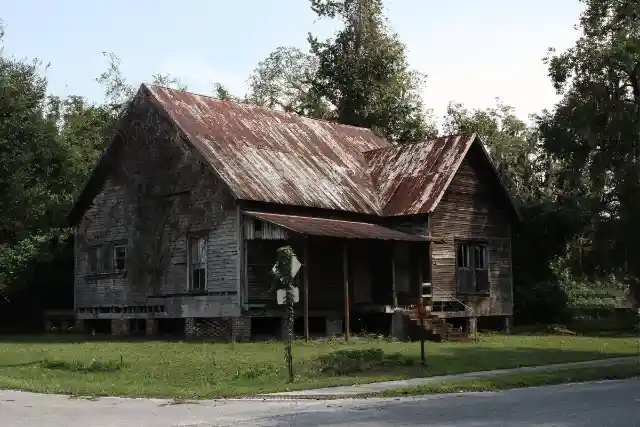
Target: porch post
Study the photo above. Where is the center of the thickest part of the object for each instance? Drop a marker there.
(393, 275)
(345, 273)
(306, 288)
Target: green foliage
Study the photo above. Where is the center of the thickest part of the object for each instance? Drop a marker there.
(595, 132)
(512, 143)
(284, 80)
(363, 73)
(45, 152)
(346, 362)
(284, 258)
(220, 370)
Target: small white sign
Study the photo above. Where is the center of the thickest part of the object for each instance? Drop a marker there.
(295, 267)
(281, 295)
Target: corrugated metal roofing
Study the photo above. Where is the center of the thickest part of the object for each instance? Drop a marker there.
(315, 226)
(412, 178)
(276, 157)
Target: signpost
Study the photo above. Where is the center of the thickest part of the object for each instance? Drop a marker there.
(421, 313)
(285, 270)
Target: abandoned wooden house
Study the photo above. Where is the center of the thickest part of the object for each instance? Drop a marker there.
(178, 225)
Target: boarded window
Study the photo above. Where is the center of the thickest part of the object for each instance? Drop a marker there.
(472, 268)
(198, 265)
(119, 257)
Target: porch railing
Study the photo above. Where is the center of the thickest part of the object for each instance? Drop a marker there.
(474, 315)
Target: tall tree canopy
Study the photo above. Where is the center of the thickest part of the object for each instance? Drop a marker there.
(47, 145)
(363, 74)
(595, 130)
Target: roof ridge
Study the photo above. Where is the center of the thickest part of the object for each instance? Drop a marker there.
(261, 107)
(425, 141)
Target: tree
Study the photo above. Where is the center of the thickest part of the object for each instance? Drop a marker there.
(118, 92)
(363, 73)
(512, 144)
(284, 81)
(595, 129)
(546, 228)
(35, 183)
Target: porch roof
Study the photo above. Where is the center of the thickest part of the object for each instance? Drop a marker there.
(330, 227)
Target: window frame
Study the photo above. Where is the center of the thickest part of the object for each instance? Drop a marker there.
(202, 264)
(102, 256)
(471, 269)
(114, 262)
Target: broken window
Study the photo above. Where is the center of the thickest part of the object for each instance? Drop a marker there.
(119, 257)
(472, 268)
(198, 265)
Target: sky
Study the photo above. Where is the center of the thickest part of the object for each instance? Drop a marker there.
(472, 51)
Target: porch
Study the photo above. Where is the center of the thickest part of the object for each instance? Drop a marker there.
(355, 275)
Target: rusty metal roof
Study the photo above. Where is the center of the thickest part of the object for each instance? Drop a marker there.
(276, 157)
(315, 226)
(412, 178)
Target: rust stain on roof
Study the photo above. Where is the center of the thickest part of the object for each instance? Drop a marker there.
(276, 157)
(315, 226)
(411, 178)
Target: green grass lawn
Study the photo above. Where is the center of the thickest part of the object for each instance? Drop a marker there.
(209, 370)
(530, 379)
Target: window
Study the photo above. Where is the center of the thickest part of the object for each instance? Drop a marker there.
(120, 258)
(107, 258)
(472, 268)
(198, 264)
(93, 260)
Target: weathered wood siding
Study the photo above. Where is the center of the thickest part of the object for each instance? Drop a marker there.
(157, 194)
(473, 207)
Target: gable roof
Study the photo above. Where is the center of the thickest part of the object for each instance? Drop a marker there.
(411, 178)
(275, 157)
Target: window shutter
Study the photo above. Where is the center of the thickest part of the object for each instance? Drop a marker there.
(464, 279)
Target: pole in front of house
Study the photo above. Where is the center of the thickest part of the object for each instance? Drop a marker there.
(305, 279)
(638, 345)
(285, 270)
(422, 314)
(345, 273)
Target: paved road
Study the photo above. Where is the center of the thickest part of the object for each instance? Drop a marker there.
(615, 403)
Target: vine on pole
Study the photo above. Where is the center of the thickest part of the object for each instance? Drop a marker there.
(285, 269)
